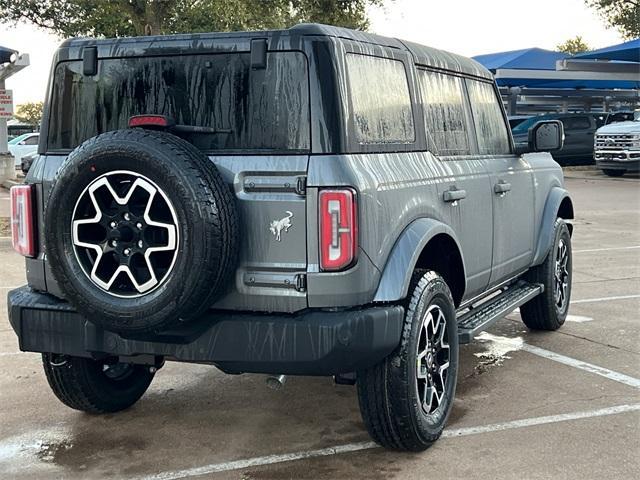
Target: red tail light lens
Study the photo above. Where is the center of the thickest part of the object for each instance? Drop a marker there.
(150, 121)
(22, 230)
(338, 229)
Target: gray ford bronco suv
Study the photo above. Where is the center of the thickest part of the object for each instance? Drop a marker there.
(312, 201)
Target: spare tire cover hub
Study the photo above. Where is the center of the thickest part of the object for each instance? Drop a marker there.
(125, 234)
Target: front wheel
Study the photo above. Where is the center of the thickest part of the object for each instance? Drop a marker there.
(548, 310)
(405, 400)
(95, 386)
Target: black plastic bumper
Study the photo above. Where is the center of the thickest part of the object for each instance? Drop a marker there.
(311, 343)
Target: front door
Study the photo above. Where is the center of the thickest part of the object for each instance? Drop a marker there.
(579, 131)
(511, 185)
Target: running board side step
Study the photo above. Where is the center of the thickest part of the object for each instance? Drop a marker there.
(474, 320)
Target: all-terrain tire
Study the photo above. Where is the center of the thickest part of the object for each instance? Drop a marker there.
(389, 392)
(206, 221)
(612, 172)
(87, 385)
(548, 310)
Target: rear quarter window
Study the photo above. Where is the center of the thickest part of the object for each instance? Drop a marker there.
(445, 115)
(241, 109)
(380, 99)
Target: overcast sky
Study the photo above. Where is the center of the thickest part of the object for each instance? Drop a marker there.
(467, 27)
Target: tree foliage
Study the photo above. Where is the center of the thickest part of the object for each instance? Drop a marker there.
(621, 14)
(29, 113)
(117, 18)
(573, 46)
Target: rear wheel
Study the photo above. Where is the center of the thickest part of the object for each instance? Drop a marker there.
(95, 386)
(548, 310)
(405, 400)
(610, 172)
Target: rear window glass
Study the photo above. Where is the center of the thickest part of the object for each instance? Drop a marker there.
(576, 123)
(445, 115)
(380, 98)
(241, 108)
(491, 128)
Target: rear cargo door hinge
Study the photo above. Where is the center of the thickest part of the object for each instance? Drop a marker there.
(301, 282)
(301, 185)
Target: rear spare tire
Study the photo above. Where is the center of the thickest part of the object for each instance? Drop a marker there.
(141, 231)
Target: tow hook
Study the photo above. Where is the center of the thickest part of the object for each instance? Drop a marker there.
(276, 382)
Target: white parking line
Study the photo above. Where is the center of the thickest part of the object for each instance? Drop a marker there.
(604, 299)
(606, 249)
(354, 447)
(588, 367)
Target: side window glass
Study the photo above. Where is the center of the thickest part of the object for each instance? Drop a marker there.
(445, 116)
(381, 102)
(491, 129)
(576, 123)
(31, 140)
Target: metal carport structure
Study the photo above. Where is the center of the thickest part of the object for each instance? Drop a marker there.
(535, 80)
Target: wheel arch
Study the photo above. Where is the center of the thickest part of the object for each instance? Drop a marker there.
(428, 244)
(558, 205)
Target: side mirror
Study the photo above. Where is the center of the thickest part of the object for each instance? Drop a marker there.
(546, 136)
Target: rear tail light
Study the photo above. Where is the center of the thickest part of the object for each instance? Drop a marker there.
(338, 229)
(150, 121)
(22, 229)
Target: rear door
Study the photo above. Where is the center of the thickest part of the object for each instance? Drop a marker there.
(578, 131)
(463, 189)
(511, 184)
(251, 120)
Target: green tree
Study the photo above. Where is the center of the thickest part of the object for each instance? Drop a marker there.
(573, 46)
(116, 18)
(29, 113)
(621, 14)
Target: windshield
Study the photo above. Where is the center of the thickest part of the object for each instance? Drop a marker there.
(528, 123)
(18, 139)
(241, 108)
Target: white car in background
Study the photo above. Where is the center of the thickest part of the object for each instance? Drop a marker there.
(24, 144)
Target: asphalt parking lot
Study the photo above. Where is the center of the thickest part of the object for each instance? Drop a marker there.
(529, 405)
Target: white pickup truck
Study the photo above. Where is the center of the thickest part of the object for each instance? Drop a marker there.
(617, 148)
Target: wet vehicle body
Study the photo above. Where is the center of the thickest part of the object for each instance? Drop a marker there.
(314, 201)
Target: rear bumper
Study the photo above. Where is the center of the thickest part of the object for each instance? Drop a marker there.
(310, 343)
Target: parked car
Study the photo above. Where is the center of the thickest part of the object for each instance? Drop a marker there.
(312, 201)
(608, 118)
(517, 119)
(27, 161)
(23, 145)
(579, 131)
(617, 148)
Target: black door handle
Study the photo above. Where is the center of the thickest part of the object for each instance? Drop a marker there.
(501, 187)
(454, 195)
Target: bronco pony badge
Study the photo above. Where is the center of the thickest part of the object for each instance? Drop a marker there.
(277, 226)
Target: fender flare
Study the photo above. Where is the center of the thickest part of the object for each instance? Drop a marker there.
(396, 276)
(550, 213)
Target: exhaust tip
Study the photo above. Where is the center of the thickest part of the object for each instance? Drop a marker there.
(276, 382)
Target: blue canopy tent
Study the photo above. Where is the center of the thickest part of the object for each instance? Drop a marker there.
(624, 52)
(526, 59)
(537, 80)
(5, 54)
(537, 68)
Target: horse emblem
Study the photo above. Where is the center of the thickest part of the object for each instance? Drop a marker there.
(277, 226)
